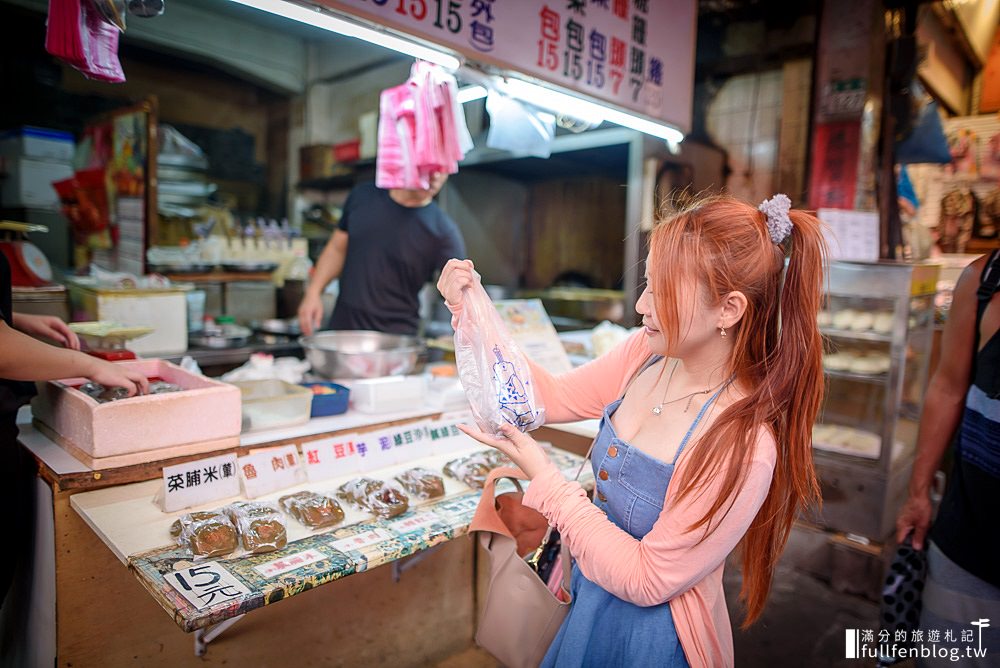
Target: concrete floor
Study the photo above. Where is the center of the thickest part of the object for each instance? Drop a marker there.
(802, 626)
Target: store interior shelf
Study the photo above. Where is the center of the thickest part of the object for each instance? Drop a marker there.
(878, 379)
(857, 336)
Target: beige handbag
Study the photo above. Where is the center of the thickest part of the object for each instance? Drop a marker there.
(520, 616)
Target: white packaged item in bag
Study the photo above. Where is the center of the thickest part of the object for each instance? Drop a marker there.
(493, 370)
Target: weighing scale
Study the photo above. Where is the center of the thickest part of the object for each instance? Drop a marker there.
(107, 340)
(28, 265)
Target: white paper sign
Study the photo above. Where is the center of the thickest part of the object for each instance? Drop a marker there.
(414, 522)
(332, 457)
(447, 439)
(290, 563)
(377, 447)
(206, 584)
(270, 470)
(851, 235)
(361, 540)
(635, 54)
(202, 481)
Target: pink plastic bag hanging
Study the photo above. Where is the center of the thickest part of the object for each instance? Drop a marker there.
(493, 370)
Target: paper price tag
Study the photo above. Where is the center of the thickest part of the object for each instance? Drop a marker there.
(290, 563)
(331, 457)
(206, 584)
(447, 439)
(378, 450)
(202, 481)
(361, 540)
(414, 522)
(270, 470)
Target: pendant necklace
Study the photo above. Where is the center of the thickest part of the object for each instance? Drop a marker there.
(658, 408)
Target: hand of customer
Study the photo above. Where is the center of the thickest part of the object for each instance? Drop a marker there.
(47, 327)
(521, 448)
(110, 374)
(915, 516)
(456, 276)
(310, 313)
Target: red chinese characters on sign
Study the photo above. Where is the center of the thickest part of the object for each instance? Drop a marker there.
(312, 456)
(249, 472)
(341, 450)
(277, 463)
(548, 45)
(836, 151)
(290, 459)
(620, 9)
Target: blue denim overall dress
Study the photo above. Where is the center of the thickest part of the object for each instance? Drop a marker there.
(601, 629)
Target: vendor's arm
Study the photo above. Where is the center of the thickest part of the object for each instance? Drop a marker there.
(24, 358)
(46, 327)
(328, 267)
(669, 560)
(943, 404)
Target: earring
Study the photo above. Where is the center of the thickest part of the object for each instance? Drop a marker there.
(722, 331)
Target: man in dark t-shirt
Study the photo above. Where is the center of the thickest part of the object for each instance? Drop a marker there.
(387, 245)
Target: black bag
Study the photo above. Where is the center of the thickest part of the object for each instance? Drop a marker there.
(901, 594)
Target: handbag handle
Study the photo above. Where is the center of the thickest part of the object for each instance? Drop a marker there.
(486, 517)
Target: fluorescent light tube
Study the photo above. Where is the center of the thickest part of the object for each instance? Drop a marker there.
(327, 21)
(585, 110)
(470, 93)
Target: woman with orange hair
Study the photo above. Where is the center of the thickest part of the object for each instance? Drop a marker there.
(705, 436)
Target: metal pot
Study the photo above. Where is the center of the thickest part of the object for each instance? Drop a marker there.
(361, 354)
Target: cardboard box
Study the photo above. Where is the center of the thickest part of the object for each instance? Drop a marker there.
(29, 182)
(163, 309)
(38, 143)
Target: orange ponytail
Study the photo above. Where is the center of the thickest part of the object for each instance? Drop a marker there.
(724, 244)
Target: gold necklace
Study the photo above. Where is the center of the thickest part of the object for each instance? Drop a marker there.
(658, 408)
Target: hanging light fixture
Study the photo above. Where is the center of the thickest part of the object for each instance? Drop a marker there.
(319, 18)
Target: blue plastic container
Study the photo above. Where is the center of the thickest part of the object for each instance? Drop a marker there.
(324, 405)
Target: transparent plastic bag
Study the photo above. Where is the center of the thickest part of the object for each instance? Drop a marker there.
(261, 526)
(492, 368)
(421, 483)
(311, 509)
(206, 534)
(374, 496)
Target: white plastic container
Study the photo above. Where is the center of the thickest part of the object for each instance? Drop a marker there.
(389, 394)
(268, 404)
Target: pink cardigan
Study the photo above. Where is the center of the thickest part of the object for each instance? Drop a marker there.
(667, 564)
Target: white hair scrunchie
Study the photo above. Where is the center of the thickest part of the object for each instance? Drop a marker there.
(779, 223)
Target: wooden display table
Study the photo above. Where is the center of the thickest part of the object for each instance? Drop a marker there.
(87, 609)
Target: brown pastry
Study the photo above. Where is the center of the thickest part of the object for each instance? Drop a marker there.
(422, 483)
(260, 526)
(208, 534)
(374, 496)
(471, 470)
(312, 509)
(356, 490)
(388, 502)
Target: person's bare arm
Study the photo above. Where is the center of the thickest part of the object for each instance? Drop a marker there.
(328, 267)
(943, 404)
(24, 358)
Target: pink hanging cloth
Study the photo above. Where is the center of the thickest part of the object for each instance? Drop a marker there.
(421, 129)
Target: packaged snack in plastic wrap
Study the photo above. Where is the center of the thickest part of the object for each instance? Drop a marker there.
(312, 509)
(472, 470)
(421, 483)
(374, 496)
(261, 527)
(493, 371)
(208, 534)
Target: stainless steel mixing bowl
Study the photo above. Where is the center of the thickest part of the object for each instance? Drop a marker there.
(361, 354)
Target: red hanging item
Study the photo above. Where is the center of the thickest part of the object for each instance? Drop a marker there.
(77, 33)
